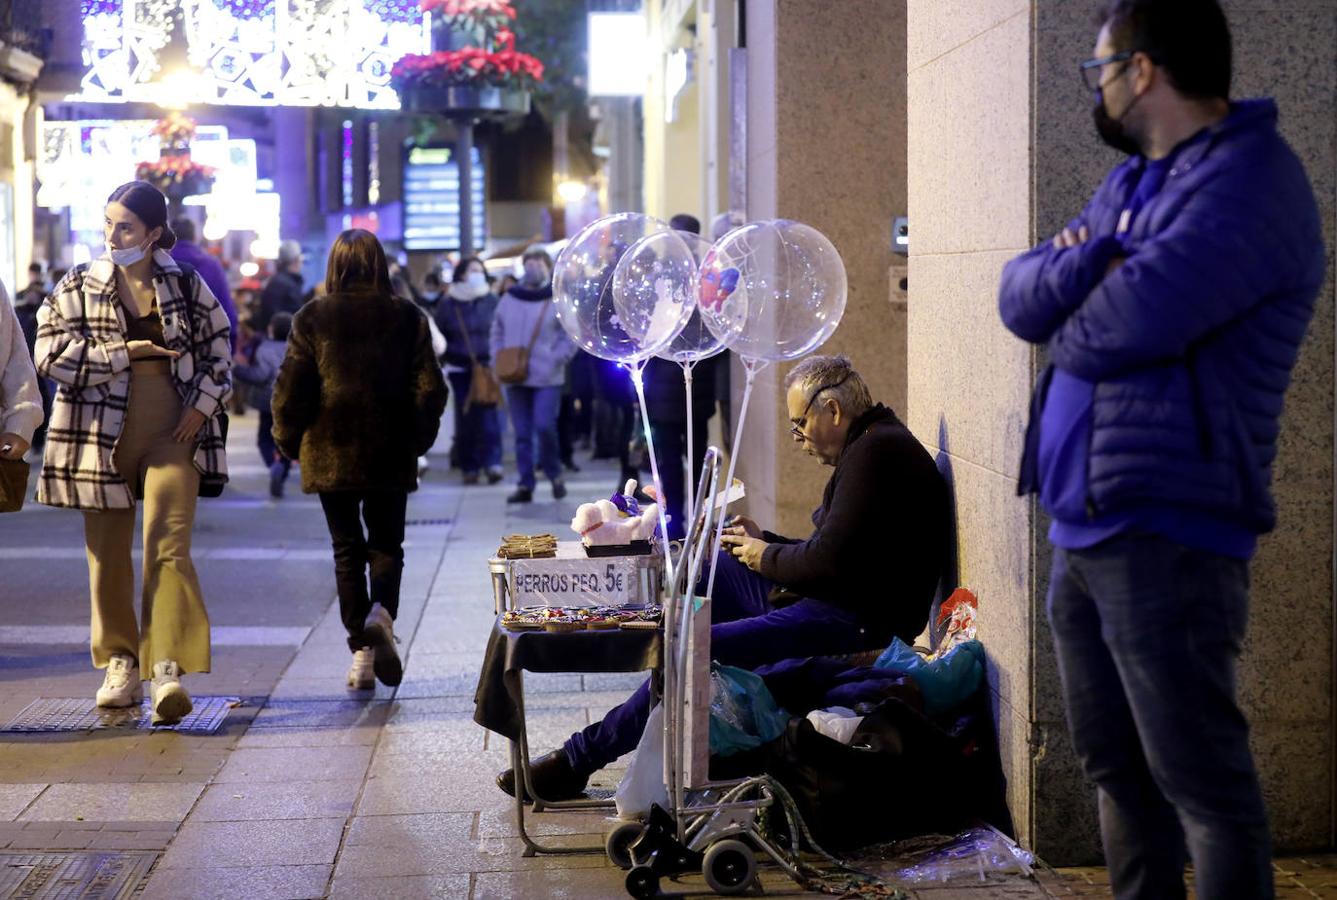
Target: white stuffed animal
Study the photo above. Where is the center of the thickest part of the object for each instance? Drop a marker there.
(601, 523)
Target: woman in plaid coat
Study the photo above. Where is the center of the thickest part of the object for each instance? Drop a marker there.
(139, 349)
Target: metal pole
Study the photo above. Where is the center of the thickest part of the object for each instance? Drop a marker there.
(464, 155)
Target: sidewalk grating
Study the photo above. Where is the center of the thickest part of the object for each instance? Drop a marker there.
(86, 875)
(55, 715)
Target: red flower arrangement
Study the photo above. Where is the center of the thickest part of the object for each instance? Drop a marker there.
(173, 130)
(171, 173)
(501, 67)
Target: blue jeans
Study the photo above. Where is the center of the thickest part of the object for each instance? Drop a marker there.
(477, 431)
(1147, 633)
(746, 632)
(534, 416)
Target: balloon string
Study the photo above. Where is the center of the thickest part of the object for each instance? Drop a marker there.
(691, 456)
(751, 368)
(637, 370)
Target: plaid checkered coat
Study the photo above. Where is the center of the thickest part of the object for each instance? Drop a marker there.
(81, 346)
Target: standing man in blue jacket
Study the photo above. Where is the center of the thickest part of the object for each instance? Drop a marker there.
(1173, 309)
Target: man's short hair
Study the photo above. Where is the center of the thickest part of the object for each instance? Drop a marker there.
(184, 228)
(685, 222)
(289, 252)
(1190, 39)
(280, 326)
(35, 268)
(835, 376)
(537, 252)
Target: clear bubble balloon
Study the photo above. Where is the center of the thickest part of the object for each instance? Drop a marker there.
(772, 290)
(582, 288)
(696, 341)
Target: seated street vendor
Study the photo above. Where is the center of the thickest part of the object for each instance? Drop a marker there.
(867, 573)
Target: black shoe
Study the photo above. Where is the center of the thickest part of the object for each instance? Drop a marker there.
(278, 474)
(469, 478)
(558, 489)
(570, 465)
(552, 777)
(494, 475)
(521, 495)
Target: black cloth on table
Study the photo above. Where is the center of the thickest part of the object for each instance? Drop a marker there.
(496, 702)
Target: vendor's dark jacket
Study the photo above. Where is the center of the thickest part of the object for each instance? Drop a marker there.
(359, 396)
(882, 535)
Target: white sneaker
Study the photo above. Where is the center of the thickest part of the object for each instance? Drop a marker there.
(122, 685)
(360, 674)
(378, 633)
(171, 703)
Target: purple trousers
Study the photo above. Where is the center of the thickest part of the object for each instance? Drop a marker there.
(747, 632)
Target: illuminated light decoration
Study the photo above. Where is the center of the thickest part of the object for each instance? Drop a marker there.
(252, 52)
(373, 163)
(346, 163)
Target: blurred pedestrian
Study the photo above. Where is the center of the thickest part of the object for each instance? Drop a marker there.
(1172, 310)
(358, 399)
(210, 269)
(139, 346)
(26, 306)
(259, 371)
(20, 399)
(526, 318)
(432, 291)
(283, 292)
(465, 317)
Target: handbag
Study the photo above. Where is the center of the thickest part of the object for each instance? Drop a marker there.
(13, 484)
(211, 483)
(512, 363)
(483, 387)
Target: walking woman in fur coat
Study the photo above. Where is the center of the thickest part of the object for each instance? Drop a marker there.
(359, 398)
(139, 348)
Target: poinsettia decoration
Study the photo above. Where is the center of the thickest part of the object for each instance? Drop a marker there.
(174, 130)
(492, 62)
(170, 173)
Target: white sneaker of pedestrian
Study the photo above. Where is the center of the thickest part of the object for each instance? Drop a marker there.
(361, 677)
(122, 685)
(171, 703)
(379, 634)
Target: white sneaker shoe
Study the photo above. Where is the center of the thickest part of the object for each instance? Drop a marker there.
(122, 685)
(361, 677)
(378, 633)
(171, 703)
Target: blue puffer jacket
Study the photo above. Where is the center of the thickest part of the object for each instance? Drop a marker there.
(1191, 341)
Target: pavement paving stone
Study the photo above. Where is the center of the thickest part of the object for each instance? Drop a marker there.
(285, 764)
(289, 800)
(318, 713)
(407, 887)
(361, 735)
(123, 802)
(282, 842)
(252, 882)
(15, 798)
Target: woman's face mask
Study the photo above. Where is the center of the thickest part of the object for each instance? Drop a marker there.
(476, 280)
(128, 256)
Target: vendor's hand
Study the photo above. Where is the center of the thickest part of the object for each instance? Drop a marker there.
(743, 525)
(188, 425)
(1066, 238)
(12, 446)
(149, 350)
(747, 550)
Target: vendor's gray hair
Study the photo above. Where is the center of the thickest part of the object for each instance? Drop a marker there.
(818, 373)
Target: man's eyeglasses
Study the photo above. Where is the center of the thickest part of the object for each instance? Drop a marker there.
(801, 422)
(1092, 68)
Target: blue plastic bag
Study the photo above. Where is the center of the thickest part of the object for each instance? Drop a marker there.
(743, 714)
(947, 681)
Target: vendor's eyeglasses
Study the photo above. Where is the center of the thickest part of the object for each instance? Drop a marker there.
(801, 423)
(1093, 68)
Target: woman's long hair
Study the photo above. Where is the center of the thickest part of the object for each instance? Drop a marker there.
(357, 265)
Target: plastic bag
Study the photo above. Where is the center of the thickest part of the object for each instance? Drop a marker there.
(945, 681)
(837, 723)
(643, 785)
(743, 714)
(980, 855)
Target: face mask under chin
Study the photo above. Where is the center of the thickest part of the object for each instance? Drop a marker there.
(1111, 130)
(127, 256)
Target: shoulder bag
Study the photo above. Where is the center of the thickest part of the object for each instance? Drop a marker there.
(483, 387)
(512, 363)
(13, 484)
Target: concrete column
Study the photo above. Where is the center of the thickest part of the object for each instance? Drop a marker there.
(825, 146)
(1001, 153)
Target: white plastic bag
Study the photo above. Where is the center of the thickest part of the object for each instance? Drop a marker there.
(837, 723)
(643, 785)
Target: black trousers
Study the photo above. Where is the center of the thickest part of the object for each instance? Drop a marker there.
(378, 552)
(671, 453)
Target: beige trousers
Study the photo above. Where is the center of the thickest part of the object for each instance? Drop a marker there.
(174, 624)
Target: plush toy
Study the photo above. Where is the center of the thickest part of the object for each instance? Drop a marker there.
(617, 520)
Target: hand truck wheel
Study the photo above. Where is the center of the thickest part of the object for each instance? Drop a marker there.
(619, 841)
(642, 883)
(730, 867)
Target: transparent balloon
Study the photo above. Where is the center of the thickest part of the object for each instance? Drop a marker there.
(772, 290)
(696, 341)
(654, 288)
(582, 286)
